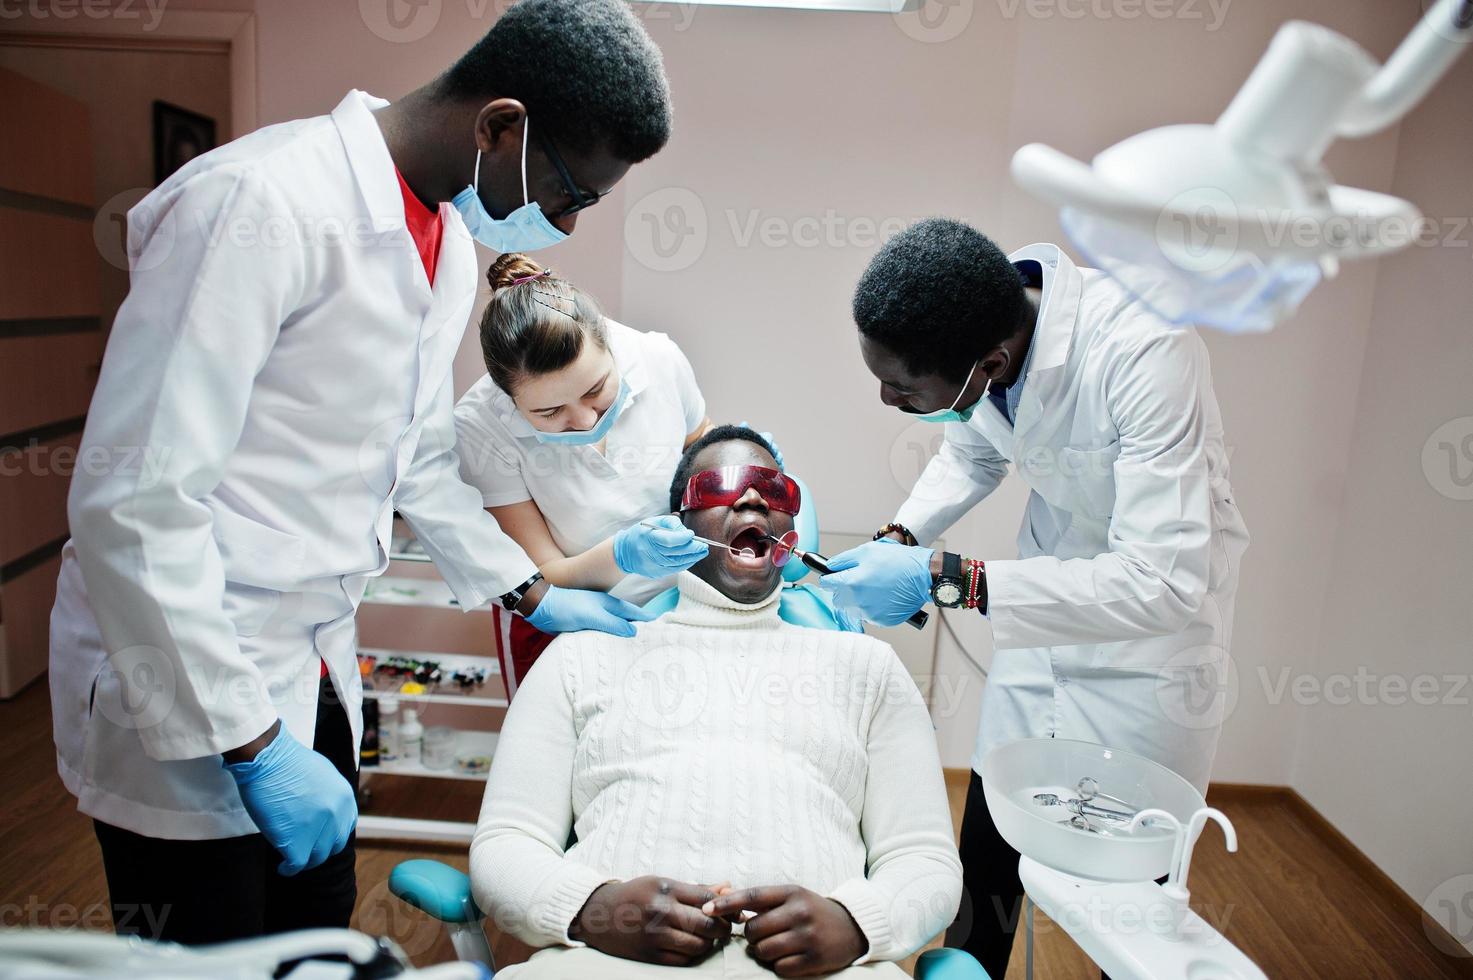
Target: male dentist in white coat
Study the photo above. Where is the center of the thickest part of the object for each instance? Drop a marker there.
(1113, 623)
(297, 300)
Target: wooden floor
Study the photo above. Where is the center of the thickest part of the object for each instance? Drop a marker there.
(1287, 898)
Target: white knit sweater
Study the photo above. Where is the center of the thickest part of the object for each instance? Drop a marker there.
(719, 744)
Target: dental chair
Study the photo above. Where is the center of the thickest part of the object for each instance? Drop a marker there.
(444, 893)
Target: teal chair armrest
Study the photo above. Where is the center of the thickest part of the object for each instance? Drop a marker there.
(808, 605)
(948, 964)
(436, 889)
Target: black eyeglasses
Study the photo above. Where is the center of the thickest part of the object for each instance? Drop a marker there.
(581, 198)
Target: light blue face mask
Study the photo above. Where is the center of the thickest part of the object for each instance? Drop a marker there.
(587, 437)
(524, 230)
(951, 414)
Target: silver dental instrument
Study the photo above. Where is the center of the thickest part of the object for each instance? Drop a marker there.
(1081, 822)
(1089, 790)
(1082, 808)
(743, 552)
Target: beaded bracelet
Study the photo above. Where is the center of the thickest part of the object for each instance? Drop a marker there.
(975, 572)
(892, 528)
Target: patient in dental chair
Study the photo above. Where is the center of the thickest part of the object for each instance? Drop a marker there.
(748, 797)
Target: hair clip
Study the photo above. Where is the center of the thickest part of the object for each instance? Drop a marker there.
(536, 275)
(556, 307)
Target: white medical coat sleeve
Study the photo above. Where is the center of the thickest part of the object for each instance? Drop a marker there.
(1154, 576)
(209, 293)
(913, 882)
(520, 875)
(964, 470)
(477, 559)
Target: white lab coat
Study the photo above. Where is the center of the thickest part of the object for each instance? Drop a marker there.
(1113, 623)
(282, 355)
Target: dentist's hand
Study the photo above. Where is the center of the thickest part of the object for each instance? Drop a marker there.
(570, 610)
(849, 620)
(883, 581)
(301, 804)
(777, 453)
(655, 552)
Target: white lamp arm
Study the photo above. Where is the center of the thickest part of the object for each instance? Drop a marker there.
(1443, 33)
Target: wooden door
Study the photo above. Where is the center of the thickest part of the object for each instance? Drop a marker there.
(50, 349)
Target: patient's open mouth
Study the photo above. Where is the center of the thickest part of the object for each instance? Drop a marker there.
(750, 547)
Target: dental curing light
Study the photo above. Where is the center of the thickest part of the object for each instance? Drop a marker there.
(1231, 225)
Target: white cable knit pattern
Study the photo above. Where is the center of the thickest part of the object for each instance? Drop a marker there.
(720, 743)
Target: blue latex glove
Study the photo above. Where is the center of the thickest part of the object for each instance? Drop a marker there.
(570, 610)
(884, 581)
(849, 620)
(777, 453)
(655, 552)
(301, 804)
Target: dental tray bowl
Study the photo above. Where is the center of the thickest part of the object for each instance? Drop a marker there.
(1013, 774)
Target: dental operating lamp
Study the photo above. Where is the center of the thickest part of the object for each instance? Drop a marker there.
(1231, 225)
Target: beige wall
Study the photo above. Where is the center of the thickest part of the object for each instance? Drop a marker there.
(119, 89)
(1389, 764)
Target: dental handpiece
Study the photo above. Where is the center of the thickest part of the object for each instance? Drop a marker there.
(820, 565)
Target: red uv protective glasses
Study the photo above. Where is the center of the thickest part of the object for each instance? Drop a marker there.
(724, 486)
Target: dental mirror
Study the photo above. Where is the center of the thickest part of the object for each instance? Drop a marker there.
(1089, 791)
(782, 548)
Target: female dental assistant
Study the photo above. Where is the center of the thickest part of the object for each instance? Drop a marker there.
(1113, 624)
(572, 438)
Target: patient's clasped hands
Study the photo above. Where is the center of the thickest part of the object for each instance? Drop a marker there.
(791, 930)
(652, 919)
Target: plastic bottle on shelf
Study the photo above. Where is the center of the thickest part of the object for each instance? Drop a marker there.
(411, 736)
(439, 747)
(388, 730)
(368, 747)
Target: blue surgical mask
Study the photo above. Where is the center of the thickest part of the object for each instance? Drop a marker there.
(587, 437)
(524, 230)
(951, 414)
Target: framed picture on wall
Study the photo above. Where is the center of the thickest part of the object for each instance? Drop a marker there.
(178, 137)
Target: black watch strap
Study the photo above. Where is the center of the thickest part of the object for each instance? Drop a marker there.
(949, 591)
(510, 600)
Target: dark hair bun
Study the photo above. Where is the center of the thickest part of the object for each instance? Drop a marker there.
(510, 267)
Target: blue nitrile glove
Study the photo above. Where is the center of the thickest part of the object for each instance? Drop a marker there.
(885, 581)
(777, 453)
(301, 804)
(849, 620)
(570, 610)
(655, 552)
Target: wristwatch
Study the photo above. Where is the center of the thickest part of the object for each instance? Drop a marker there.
(950, 590)
(512, 599)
